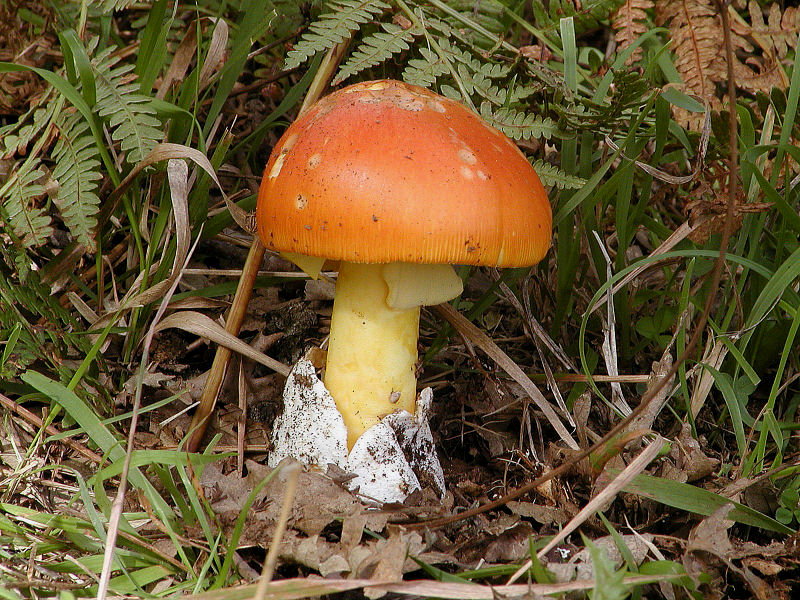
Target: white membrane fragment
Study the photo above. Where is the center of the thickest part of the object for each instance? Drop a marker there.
(388, 462)
(310, 429)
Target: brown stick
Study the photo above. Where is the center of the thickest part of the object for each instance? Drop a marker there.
(244, 290)
(35, 420)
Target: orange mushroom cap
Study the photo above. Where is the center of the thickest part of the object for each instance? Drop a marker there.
(383, 171)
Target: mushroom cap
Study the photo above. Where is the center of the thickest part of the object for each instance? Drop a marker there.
(383, 171)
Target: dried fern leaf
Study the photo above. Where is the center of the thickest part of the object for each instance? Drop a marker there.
(630, 22)
(376, 49)
(696, 31)
(30, 224)
(777, 35)
(334, 27)
(759, 74)
(129, 114)
(77, 172)
(551, 176)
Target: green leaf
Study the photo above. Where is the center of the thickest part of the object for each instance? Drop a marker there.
(551, 175)
(608, 579)
(681, 100)
(699, 501)
(78, 66)
(77, 171)
(333, 28)
(94, 428)
(376, 49)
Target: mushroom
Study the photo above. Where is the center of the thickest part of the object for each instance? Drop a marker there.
(396, 183)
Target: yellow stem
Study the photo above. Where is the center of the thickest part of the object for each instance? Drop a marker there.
(372, 352)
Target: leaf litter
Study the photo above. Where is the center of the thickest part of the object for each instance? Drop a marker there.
(329, 531)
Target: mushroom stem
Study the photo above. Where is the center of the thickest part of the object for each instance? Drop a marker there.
(372, 351)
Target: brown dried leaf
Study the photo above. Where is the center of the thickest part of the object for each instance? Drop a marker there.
(777, 35)
(546, 515)
(580, 566)
(711, 534)
(630, 22)
(690, 458)
(510, 546)
(696, 31)
(765, 567)
(216, 52)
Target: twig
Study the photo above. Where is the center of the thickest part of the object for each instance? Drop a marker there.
(244, 289)
(35, 420)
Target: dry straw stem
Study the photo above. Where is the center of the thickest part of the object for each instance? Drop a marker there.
(312, 587)
(244, 290)
(653, 392)
(268, 569)
(601, 500)
(485, 343)
(37, 421)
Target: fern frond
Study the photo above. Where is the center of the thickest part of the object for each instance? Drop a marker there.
(553, 176)
(587, 14)
(426, 70)
(376, 49)
(629, 23)
(129, 114)
(76, 172)
(488, 70)
(333, 27)
(16, 137)
(477, 83)
(25, 299)
(30, 224)
(518, 125)
(518, 93)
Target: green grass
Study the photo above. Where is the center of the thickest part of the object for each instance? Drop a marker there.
(71, 368)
